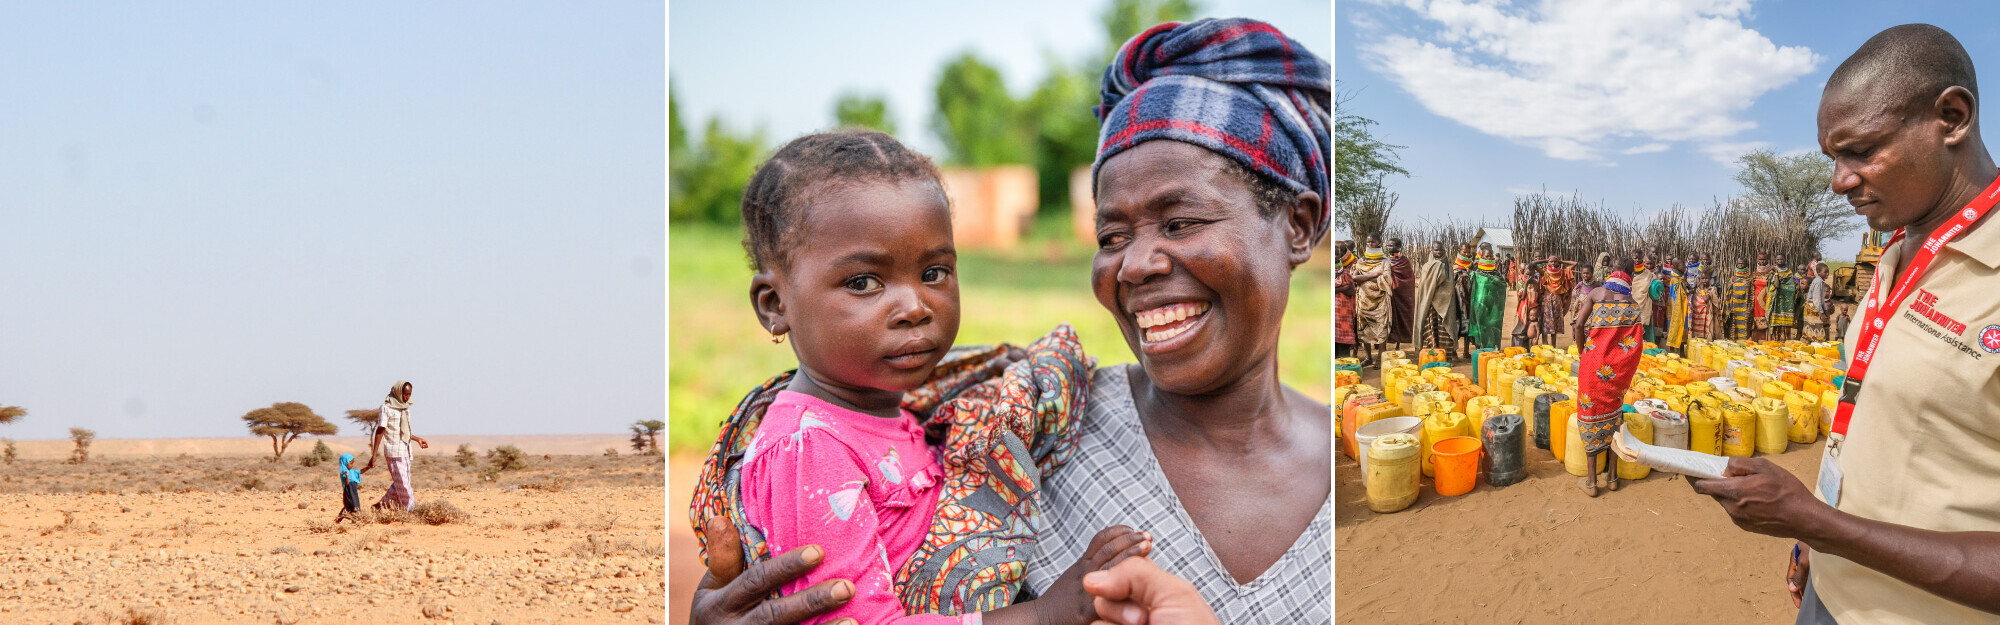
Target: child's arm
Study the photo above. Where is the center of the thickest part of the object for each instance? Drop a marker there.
(375, 442)
(1066, 602)
(812, 490)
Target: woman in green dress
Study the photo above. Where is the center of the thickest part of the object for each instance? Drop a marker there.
(1489, 300)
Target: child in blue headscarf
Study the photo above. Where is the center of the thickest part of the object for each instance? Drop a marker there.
(350, 489)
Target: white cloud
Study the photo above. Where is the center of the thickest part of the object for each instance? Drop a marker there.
(1646, 149)
(1577, 78)
(1727, 152)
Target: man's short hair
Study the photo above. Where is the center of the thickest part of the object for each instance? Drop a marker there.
(1915, 62)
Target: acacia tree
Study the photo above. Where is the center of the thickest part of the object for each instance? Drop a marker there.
(82, 438)
(646, 436)
(1361, 163)
(284, 422)
(1795, 187)
(365, 419)
(10, 414)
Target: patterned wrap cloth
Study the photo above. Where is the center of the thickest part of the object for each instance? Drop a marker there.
(1784, 298)
(1003, 434)
(1736, 305)
(1235, 86)
(1609, 358)
(1343, 300)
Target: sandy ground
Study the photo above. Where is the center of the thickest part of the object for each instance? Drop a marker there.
(441, 445)
(570, 539)
(1540, 551)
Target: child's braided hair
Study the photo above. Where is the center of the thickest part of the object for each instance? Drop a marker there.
(775, 200)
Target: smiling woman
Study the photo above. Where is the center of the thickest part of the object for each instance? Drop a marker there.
(1210, 183)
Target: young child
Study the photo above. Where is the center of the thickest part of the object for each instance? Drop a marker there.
(350, 490)
(850, 235)
(1840, 320)
(1527, 317)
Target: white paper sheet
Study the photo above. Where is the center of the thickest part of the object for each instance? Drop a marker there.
(1682, 461)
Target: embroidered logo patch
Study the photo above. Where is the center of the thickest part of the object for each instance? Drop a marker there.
(1969, 214)
(1989, 339)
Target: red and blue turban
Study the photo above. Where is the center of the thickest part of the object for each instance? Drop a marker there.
(1235, 86)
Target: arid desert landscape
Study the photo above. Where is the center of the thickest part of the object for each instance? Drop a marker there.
(208, 531)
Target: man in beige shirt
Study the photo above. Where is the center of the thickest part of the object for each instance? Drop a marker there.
(1906, 525)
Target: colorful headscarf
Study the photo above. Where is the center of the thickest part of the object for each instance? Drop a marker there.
(396, 401)
(1619, 283)
(348, 473)
(1235, 86)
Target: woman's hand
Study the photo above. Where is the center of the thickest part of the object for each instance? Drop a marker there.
(1067, 601)
(731, 595)
(1138, 592)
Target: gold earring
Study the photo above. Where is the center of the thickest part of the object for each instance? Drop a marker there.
(776, 337)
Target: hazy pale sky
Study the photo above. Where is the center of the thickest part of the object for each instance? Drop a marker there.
(781, 64)
(209, 207)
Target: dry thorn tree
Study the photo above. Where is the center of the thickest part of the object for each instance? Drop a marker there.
(285, 422)
(366, 420)
(646, 436)
(82, 438)
(8, 415)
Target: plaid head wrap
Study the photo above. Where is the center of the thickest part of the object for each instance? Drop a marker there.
(1235, 86)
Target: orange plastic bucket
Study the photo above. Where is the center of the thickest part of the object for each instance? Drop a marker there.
(1457, 461)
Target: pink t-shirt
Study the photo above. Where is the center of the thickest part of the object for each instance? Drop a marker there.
(862, 487)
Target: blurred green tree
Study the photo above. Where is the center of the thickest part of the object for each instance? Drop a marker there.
(862, 110)
(978, 121)
(705, 180)
(1058, 113)
(716, 172)
(1065, 131)
(1125, 18)
(677, 134)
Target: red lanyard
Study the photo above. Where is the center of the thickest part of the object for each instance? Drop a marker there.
(1875, 315)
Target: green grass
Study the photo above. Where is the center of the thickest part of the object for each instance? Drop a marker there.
(717, 351)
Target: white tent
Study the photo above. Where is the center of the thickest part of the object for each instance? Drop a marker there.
(1501, 238)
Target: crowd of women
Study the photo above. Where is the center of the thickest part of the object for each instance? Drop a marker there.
(1458, 301)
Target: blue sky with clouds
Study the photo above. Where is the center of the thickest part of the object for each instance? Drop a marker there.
(1639, 105)
(209, 207)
